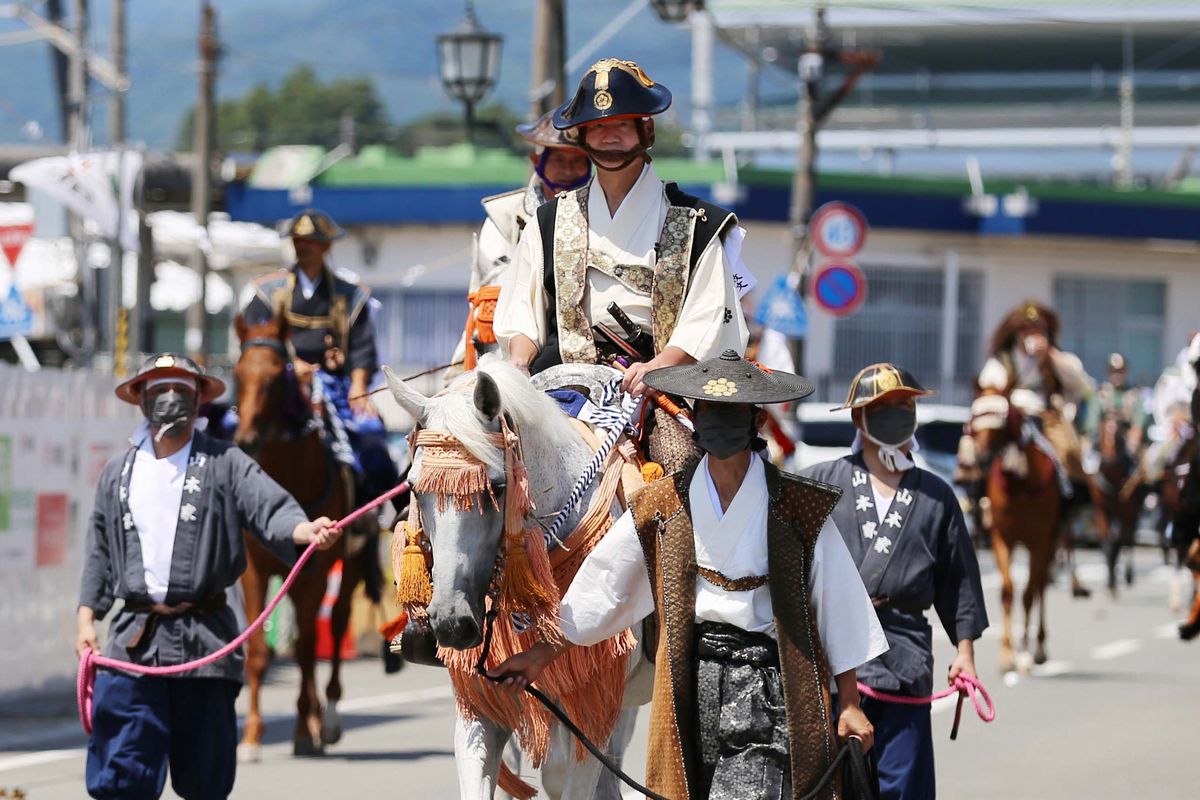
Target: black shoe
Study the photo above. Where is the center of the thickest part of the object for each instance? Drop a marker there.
(1189, 630)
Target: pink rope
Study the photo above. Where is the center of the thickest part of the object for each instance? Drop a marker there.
(964, 686)
(90, 662)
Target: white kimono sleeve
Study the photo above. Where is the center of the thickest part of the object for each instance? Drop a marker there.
(611, 591)
(846, 620)
(711, 319)
(522, 305)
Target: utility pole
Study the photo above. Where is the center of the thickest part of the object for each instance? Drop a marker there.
(812, 109)
(196, 338)
(116, 117)
(810, 69)
(548, 89)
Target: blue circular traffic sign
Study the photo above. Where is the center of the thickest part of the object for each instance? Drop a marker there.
(838, 286)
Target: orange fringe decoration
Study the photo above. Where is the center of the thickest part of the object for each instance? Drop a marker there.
(394, 626)
(527, 583)
(448, 469)
(413, 586)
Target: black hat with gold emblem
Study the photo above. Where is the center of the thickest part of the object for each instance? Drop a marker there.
(171, 365)
(612, 89)
(878, 380)
(314, 225)
(729, 379)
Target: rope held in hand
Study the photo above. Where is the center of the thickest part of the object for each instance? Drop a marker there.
(964, 686)
(89, 662)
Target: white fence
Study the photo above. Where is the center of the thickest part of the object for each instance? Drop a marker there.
(57, 430)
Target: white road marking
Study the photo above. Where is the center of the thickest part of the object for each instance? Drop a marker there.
(1052, 669)
(389, 700)
(1121, 647)
(1168, 630)
(396, 699)
(10, 763)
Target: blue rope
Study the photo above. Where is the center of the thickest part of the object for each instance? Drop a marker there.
(589, 475)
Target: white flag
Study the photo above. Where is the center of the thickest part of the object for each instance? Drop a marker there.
(96, 186)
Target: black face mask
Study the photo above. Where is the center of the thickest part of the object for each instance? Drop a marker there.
(169, 413)
(723, 430)
(890, 425)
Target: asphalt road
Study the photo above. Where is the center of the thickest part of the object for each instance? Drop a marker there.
(1114, 714)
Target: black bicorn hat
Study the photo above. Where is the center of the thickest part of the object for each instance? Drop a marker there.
(542, 133)
(171, 365)
(610, 89)
(879, 380)
(314, 225)
(729, 379)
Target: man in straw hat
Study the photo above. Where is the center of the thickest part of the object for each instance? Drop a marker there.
(905, 531)
(166, 539)
(559, 166)
(758, 604)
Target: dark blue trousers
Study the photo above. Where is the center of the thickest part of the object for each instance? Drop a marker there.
(904, 748)
(140, 725)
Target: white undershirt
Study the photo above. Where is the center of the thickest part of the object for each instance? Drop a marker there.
(883, 499)
(155, 493)
(307, 285)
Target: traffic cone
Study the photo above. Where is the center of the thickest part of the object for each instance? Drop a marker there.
(333, 585)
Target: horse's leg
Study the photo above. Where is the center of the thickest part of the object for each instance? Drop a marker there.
(1039, 577)
(565, 778)
(254, 588)
(306, 596)
(352, 569)
(609, 787)
(478, 745)
(1004, 563)
(1103, 510)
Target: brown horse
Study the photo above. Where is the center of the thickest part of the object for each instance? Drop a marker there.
(1024, 508)
(1116, 496)
(273, 428)
(1181, 496)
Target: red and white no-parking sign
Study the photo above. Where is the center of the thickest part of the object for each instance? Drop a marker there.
(838, 286)
(839, 230)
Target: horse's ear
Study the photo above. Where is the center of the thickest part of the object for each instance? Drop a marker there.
(409, 398)
(487, 396)
(239, 325)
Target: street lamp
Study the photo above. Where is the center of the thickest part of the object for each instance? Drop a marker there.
(469, 62)
(675, 10)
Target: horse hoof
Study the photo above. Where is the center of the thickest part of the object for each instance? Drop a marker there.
(249, 753)
(331, 724)
(331, 734)
(1040, 658)
(1078, 590)
(307, 748)
(1025, 663)
(1129, 575)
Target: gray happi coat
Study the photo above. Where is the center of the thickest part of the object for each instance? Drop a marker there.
(224, 491)
(913, 555)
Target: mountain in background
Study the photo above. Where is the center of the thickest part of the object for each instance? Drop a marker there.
(390, 41)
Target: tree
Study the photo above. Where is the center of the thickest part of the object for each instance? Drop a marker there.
(303, 110)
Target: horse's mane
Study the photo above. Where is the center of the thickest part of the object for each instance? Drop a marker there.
(528, 408)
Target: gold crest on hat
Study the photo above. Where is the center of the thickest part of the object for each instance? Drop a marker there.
(304, 226)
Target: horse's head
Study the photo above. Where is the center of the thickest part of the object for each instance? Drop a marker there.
(459, 442)
(260, 376)
(994, 423)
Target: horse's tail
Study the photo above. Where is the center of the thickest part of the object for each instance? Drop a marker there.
(510, 782)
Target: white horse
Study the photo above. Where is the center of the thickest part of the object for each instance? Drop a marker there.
(465, 545)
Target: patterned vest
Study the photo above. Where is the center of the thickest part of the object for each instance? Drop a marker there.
(690, 225)
(798, 509)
